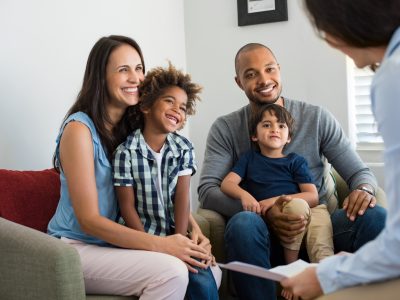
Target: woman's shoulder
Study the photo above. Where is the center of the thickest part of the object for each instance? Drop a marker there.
(78, 123)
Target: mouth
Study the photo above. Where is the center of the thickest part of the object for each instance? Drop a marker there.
(173, 119)
(266, 90)
(274, 137)
(130, 90)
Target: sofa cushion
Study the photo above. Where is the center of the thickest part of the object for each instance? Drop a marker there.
(29, 197)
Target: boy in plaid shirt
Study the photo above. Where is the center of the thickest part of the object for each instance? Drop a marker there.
(152, 168)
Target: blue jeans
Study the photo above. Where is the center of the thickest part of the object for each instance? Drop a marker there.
(202, 285)
(248, 239)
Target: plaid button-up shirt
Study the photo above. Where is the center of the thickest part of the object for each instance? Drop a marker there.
(134, 165)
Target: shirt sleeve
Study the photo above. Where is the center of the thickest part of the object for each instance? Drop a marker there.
(301, 172)
(122, 168)
(188, 162)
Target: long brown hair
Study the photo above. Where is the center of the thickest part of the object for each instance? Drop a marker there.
(93, 96)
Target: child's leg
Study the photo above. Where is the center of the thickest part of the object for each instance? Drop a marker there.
(299, 207)
(319, 241)
(202, 285)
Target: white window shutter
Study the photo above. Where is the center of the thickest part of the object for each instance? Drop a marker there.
(365, 125)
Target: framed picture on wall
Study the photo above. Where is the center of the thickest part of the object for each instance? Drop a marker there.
(251, 12)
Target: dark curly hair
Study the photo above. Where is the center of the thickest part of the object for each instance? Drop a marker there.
(276, 110)
(158, 79)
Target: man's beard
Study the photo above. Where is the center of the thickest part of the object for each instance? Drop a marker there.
(263, 102)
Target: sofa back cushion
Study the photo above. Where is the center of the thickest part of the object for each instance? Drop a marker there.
(29, 197)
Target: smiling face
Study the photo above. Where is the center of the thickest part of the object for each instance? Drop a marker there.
(168, 112)
(124, 72)
(271, 135)
(258, 75)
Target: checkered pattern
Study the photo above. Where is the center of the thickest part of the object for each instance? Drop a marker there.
(135, 166)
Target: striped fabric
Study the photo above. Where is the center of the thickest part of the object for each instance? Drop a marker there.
(134, 165)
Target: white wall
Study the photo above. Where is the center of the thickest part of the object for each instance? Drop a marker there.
(44, 47)
(45, 44)
(311, 71)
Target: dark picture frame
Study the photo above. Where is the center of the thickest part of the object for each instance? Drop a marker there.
(280, 13)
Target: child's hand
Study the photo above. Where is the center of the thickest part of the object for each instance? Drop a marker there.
(250, 204)
(200, 239)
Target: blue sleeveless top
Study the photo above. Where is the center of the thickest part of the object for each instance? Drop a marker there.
(64, 222)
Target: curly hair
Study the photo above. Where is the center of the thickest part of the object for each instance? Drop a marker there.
(157, 80)
(276, 110)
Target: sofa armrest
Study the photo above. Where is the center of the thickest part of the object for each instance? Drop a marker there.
(343, 191)
(380, 290)
(217, 229)
(37, 266)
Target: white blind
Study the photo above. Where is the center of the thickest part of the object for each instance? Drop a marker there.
(365, 125)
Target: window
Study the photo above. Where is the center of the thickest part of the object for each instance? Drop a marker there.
(364, 131)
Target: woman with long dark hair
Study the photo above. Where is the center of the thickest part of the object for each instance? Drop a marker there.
(115, 259)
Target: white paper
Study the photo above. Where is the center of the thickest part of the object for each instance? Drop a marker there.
(277, 273)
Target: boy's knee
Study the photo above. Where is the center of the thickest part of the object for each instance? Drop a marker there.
(297, 206)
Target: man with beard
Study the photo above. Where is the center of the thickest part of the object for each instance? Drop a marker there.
(254, 238)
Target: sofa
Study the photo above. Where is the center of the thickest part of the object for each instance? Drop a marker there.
(33, 264)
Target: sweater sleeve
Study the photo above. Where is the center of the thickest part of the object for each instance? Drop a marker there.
(218, 161)
(341, 155)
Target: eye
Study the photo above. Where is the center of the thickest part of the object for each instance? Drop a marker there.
(123, 69)
(183, 109)
(282, 126)
(266, 125)
(271, 69)
(249, 75)
(139, 68)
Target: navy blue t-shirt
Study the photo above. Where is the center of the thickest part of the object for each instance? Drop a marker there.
(265, 177)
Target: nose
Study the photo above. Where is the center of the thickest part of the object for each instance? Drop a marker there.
(134, 77)
(264, 78)
(275, 128)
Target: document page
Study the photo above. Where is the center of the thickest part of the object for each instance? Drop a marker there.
(277, 273)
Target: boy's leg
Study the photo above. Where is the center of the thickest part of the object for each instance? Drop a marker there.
(299, 207)
(202, 285)
(319, 238)
(116, 271)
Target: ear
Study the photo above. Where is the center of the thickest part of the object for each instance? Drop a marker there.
(289, 140)
(254, 138)
(145, 110)
(238, 82)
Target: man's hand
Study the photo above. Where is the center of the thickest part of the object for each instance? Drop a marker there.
(285, 226)
(357, 202)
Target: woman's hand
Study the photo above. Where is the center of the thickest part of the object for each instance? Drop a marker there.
(186, 250)
(200, 239)
(304, 285)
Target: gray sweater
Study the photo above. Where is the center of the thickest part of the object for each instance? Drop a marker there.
(317, 137)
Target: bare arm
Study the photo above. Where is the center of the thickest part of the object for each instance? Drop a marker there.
(126, 201)
(308, 192)
(230, 186)
(181, 206)
(76, 155)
